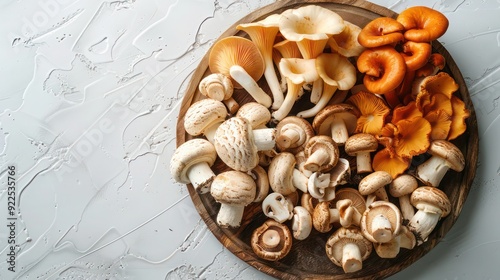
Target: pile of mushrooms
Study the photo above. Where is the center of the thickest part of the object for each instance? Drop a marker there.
(343, 166)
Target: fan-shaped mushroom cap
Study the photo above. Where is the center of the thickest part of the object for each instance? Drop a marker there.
(422, 24)
(373, 112)
(348, 248)
(346, 43)
(204, 117)
(416, 55)
(191, 163)
(381, 31)
(271, 241)
(337, 121)
(384, 69)
(310, 26)
(460, 113)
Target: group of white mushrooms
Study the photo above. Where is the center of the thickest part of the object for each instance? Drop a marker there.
(300, 168)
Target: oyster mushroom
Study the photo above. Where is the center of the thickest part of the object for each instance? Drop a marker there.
(191, 164)
(381, 31)
(348, 248)
(271, 241)
(240, 59)
(337, 72)
(432, 204)
(361, 145)
(381, 222)
(310, 26)
(322, 154)
(233, 190)
(337, 121)
(219, 87)
(237, 144)
(277, 207)
(444, 156)
(292, 134)
(422, 24)
(204, 117)
(263, 33)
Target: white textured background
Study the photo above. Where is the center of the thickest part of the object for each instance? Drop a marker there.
(89, 95)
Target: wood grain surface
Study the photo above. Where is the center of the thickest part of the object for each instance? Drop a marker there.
(307, 259)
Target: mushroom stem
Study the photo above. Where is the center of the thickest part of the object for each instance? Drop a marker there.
(201, 177)
(271, 239)
(406, 208)
(290, 98)
(322, 102)
(264, 138)
(210, 132)
(299, 180)
(273, 82)
(316, 160)
(363, 162)
(230, 215)
(232, 105)
(381, 229)
(316, 90)
(339, 131)
(239, 74)
(432, 170)
(423, 223)
(351, 258)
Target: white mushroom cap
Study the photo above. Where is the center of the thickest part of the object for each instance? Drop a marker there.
(237, 144)
(445, 156)
(233, 190)
(381, 221)
(432, 204)
(257, 114)
(301, 223)
(191, 163)
(292, 134)
(402, 187)
(261, 179)
(322, 154)
(348, 248)
(204, 117)
(277, 207)
(219, 87)
(271, 241)
(337, 120)
(280, 173)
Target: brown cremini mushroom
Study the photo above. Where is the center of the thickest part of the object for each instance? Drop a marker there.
(381, 222)
(259, 175)
(271, 241)
(191, 162)
(373, 186)
(381, 31)
(361, 145)
(324, 216)
(233, 190)
(348, 248)
(322, 154)
(337, 120)
(401, 188)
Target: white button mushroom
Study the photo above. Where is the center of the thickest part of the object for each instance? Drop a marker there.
(191, 163)
(284, 178)
(444, 156)
(233, 190)
(322, 154)
(219, 87)
(277, 207)
(301, 223)
(204, 117)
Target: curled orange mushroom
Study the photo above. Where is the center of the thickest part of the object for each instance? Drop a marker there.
(373, 112)
(381, 31)
(460, 114)
(384, 69)
(435, 63)
(416, 55)
(423, 24)
(393, 164)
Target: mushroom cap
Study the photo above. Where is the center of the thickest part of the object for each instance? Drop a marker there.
(460, 113)
(342, 236)
(257, 114)
(336, 70)
(203, 114)
(377, 208)
(261, 182)
(415, 54)
(422, 24)
(301, 223)
(357, 199)
(216, 86)
(188, 154)
(280, 173)
(324, 143)
(449, 152)
(348, 113)
(360, 142)
(373, 112)
(388, 161)
(384, 69)
(299, 125)
(373, 181)
(271, 241)
(234, 188)
(404, 184)
(322, 216)
(236, 50)
(235, 145)
(346, 42)
(431, 199)
(381, 31)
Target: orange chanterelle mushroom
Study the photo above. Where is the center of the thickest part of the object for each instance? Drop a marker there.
(373, 112)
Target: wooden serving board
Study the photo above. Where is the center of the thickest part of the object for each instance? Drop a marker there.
(307, 259)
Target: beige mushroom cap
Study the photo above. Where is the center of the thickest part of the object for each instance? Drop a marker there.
(203, 115)
(324, 215)
(360, 142)
(271, 241)
(322, 154)
(449, 152)
(301, 223)
(280, 173)
(432, 200)
(340, 249)
(381, 221)
(337, 120)
(374, 181)
(292, 134)
(257, 114)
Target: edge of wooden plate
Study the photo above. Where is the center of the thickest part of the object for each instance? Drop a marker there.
(468, 143)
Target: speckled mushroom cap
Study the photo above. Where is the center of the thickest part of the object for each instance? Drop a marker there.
(202, 114)
(233, 187)
(257, 114)
(235, 146)
(374, 181)
(404, 184)
(322, 216)
(271, 241)
(188, 154)
(360, 142)
(342, 236)
(348, 113)
(431, 199)
(449, 152)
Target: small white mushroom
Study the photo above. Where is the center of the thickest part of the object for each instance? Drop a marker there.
(191, 163)
(301, 223)
(219, 87)
(257, 114)
(204, 117)
(277, 207)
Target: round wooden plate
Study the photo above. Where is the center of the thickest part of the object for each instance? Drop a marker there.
(307, 259)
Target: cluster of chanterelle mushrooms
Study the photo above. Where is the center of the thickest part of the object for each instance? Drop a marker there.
(342, 167)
